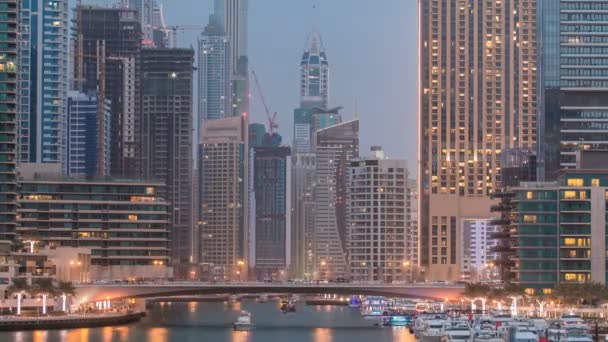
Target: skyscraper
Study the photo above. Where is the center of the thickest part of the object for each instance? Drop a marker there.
(107, 46)
(167, 80)
(232, 17)
(271, 185)
(8, 117)
(303, 214)
(477, 97)
(214, 92)
(314, 69)
(377, 203)
(84, 135)
(572, 82)
(334, 147)
(223, 211)
(43, 74)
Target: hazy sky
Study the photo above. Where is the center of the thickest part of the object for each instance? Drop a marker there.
(371, 48)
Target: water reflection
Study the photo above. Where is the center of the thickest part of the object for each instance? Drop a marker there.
(158, 335)
(240, 336)
(212, 321)
(322, 335)
(40, 336)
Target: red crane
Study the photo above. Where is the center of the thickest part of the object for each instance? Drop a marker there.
(272, 118)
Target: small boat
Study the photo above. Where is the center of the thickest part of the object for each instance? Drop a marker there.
(243, 322)
(288, 306)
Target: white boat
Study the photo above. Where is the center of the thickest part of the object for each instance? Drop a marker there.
(456, 330)
(243, 322)
(432, 331)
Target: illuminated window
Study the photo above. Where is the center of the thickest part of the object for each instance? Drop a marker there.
(529, 291)
(84, 234)
(595, 182)
(132, 217)
(569, 242)
(150, 190)
(142, 199)
(529, 195)
(583, 195)
(547, 291)
(570, 194)
(530, 218)
(570, 276)
(575, 182)
(572, 253)
(39, 197)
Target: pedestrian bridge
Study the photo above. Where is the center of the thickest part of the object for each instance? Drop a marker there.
(97, 292)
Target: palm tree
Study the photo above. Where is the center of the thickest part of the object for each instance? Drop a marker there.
(44, 287)
(19, 287)
(66, 288)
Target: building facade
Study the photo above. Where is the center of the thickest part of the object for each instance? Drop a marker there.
(560, 226)
(334, 147)
(478, 260)
(106, 59)
(124, 223)
(303, 215)
(411, 227)
(377, 205)
(271, 184)
(8, 117)
(213, 73)
(43, 81)
(223, 186)
(88, 146)
(477, 97)
(167, 104)
(572, 81)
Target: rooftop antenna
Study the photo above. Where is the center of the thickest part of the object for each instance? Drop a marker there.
(356, 109)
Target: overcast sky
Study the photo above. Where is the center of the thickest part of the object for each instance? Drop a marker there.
(371, 48)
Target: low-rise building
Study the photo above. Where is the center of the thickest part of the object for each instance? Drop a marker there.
(561, 226)
(122, 222)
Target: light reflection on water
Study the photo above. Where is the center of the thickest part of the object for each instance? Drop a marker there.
(194, 321)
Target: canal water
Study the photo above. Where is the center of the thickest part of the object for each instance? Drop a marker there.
(212, 322)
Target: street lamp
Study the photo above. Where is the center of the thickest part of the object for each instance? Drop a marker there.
(406, 266)
(240, 264)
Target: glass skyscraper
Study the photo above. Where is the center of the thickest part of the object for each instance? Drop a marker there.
(314, 69)
(213, 73)
(43, 74)
(573, 81)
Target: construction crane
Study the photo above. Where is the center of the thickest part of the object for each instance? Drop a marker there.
(272, 118)
(176, 28)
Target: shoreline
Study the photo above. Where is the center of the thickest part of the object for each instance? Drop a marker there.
(68, 322)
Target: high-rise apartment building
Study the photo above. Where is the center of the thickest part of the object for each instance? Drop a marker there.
(106, 50)
(167, 107)
(477, 83)
(223, 186)
(43, 81)
(377, 202)
(572, 81)
(271, 168)
(85, 135)
(9, 10)
(303, 215)
(334, 147)
(314, 73)
(213, 73)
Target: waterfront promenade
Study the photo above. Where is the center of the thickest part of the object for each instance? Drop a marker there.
(69, 321)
